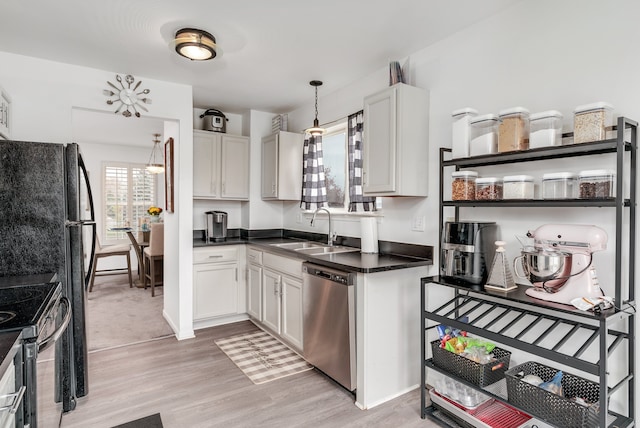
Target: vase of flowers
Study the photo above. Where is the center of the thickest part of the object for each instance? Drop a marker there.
(154, 212)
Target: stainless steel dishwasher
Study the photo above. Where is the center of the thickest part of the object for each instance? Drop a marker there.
(329, 334)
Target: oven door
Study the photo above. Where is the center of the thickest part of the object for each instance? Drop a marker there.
(41, 373)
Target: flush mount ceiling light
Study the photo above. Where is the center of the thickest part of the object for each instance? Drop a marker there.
(155, 166)
(197, 45)
(315, 130)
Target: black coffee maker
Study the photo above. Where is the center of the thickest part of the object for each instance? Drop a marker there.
(467, 251)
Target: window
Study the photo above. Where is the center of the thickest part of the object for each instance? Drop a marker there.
(128, 191)
(335, 149)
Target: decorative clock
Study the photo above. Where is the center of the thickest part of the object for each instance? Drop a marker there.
(126, 96)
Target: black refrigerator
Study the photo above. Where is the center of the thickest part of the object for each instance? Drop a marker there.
(42, 230)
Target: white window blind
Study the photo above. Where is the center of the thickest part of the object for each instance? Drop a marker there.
(129, 190)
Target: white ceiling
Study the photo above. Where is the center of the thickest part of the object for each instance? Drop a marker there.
(269, 50)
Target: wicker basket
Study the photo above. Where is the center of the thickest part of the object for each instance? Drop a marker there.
(466, 369)
(550, 407)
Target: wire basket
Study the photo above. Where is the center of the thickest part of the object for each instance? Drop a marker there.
(550, 407)
(466, 369)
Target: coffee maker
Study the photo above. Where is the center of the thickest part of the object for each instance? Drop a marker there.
(216, 225)
(467, 250)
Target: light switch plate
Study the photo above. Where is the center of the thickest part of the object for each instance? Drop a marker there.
(418, 223)
(299, 218)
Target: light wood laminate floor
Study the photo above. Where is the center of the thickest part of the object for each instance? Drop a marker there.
(192, 383)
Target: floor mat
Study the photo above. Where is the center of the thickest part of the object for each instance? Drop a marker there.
(261, 357)
(152, 421)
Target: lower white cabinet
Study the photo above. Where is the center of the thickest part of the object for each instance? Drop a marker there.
(279, 294)
(219, 291)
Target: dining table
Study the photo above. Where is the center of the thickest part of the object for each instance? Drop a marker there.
(139, 240)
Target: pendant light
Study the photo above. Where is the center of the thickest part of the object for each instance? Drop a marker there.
(315, 130)
(156, 160)
(197, 45)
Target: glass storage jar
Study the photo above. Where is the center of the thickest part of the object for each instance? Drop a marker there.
(461, 132)
(559, 185)
(518, 187)
(484, 135)
(592, 121)
(545, 129)
(488, 188)
(595, 184)
(513, 130)
(463, 186)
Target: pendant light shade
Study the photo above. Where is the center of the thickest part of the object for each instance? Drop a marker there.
(197, 45)
(315, 130)
(156, 160)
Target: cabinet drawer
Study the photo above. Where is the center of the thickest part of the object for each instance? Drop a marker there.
(254, 256)
(284, 265)
(214, 255)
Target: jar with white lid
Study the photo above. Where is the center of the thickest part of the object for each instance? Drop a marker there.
(545, 129)
(513, 131)
(559, 185)
(592, 121)
(488, 188)
(461, 132)
(463, 186)
(484, 135)
(598, 183)
(517, 187)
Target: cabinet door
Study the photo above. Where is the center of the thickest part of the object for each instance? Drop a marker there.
(292, 311)
(271, 302)
(215, 290)
(254, 291)
(379, 157)
(206, 149)
(270, 167)
(235, 167)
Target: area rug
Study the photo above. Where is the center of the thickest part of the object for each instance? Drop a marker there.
(261, 357)
(152, 421)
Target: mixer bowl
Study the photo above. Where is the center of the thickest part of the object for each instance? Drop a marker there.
(546, 269)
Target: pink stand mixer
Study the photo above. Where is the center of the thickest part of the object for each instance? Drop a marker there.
(559, 264)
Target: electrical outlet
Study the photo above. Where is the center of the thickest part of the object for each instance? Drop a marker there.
(299, 218)
(418, 223)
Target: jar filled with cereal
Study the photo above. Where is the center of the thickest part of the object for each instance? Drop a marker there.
(591, 122)
(513, 130)
(463, 186)
(488, 189)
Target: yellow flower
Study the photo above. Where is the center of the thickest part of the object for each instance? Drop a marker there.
(154, 210)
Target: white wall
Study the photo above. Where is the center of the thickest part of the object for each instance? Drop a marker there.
(44, 94)
(541, 55)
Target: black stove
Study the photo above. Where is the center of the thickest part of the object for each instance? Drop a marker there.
(25, 302)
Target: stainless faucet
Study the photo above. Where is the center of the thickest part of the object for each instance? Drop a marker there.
(332, 235)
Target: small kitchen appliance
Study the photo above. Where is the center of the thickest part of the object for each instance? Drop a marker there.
(216, 226)
(214, 120)
(467, 250)
(560, 263)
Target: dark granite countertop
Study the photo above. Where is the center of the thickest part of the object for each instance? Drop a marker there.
(392, 255)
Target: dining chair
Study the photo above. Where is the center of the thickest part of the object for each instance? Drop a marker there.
(154, 257)
(111, 251)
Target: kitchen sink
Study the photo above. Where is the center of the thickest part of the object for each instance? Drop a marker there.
(299, 245)
(326, 250)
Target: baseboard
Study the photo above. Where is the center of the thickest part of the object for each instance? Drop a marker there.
(212, 322)
(385, 399)
(180, 335)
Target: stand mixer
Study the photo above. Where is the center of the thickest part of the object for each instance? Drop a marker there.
(559, 265)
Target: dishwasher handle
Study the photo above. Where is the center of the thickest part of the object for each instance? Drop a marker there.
(346, 278)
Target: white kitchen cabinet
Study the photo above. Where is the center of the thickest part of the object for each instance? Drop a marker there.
(5, 115)
(219, 291)
(396, 140)
(282, 298)
(282, 166)
(254, 284)
(220, 166)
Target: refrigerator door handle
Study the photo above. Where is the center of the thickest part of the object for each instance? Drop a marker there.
(69, 223)
(91, 221)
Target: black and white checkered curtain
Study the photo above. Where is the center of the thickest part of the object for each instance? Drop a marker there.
(357, 201)
(314, 188)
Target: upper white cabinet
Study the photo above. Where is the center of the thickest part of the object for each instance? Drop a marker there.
(5, 115)
(396, 140)
(220, 166)
(282, 166)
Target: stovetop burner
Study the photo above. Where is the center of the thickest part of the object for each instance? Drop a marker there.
(24, 305)
(6, 316)
(12, 296)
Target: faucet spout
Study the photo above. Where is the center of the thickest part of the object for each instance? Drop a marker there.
(331, 235)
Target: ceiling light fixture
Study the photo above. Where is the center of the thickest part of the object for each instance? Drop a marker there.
(197, 45)
(315, 130)
(154, 166)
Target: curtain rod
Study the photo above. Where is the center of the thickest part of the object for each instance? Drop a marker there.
(340, 119)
